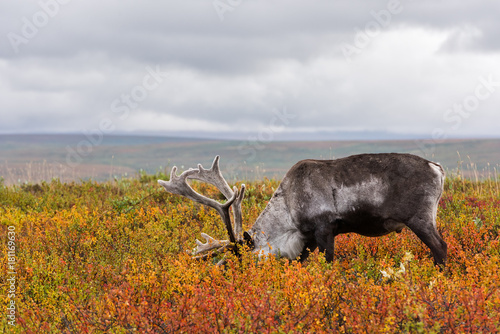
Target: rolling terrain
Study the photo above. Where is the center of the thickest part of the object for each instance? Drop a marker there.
(33, 158)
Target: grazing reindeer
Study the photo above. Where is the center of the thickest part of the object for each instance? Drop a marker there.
(369, 194)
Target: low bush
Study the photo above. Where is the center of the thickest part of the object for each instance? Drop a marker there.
(111, 257)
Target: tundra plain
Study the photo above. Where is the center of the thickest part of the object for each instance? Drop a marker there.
(109, 256)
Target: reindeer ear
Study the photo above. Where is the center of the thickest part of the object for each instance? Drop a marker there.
(248, 239)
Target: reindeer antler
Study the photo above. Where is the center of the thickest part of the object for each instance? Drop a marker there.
(214, 177)
(209, 245)
(178, 185)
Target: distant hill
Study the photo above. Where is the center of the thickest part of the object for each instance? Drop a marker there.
(32, 158)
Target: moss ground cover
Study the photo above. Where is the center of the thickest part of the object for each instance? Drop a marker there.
(111, 258)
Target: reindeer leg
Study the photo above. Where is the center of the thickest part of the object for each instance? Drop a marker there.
(308, 247)
(424, 227)
(325, 239)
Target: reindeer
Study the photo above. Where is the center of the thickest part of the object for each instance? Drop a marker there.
(368, 194)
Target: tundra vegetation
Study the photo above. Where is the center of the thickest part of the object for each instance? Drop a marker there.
(111, 257)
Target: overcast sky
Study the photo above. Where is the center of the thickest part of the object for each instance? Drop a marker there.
(379, 69)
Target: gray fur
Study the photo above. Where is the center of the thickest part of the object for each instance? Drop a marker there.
(368, 194)
(275, 232)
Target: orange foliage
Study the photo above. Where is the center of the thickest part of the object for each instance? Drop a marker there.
(111, 257)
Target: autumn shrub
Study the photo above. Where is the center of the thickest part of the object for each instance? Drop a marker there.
(111, 258)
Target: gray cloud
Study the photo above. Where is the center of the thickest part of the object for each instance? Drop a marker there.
(409, 67)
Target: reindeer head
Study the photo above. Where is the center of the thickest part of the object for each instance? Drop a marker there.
(178, 185)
